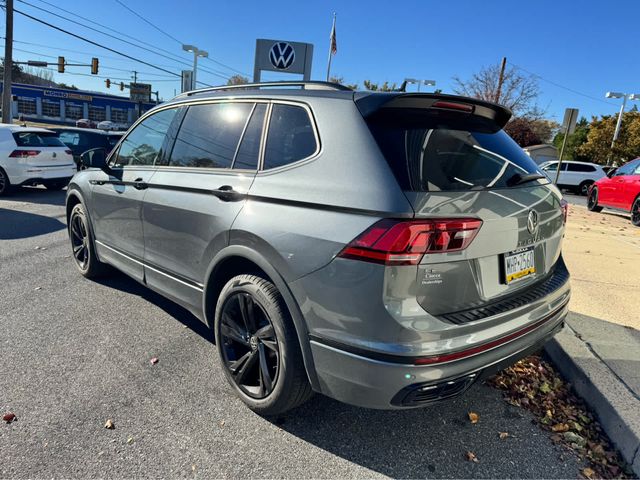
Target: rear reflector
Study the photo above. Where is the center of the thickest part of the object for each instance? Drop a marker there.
(400, 242)
(24, 153)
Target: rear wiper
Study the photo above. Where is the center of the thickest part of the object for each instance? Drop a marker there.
(518, 179)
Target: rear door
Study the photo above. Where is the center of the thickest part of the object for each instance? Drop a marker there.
(116, 206)
(614, 190)
(195, 196)
(454, 164)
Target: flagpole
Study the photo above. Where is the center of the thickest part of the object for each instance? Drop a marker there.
(333, 29)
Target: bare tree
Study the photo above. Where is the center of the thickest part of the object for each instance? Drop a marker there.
(237, 80)
(518, 93)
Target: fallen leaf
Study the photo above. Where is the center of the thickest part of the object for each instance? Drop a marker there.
(154, 360)
(560, 427)
(109, 424)
(474, 417)
(588, 472)
(221, 423)
(130, 440)
(503, 435)
(573, 437)
(545, 387)
(9, 417)
(472, 457)
(38, 288)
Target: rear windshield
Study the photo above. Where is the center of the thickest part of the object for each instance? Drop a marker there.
(440, 159)
(37, 139)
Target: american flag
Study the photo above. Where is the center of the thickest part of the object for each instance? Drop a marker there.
(332, 37)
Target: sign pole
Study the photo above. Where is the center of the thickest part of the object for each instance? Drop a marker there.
(569, 124)
(8, 64)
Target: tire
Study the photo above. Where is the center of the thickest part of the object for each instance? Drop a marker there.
(5, 184)
(583, 188)
(592, 201)
(258, 346)
(635, 212)
(82, 246)
(55, 185)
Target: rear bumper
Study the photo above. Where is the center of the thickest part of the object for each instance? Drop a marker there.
(375, 383)
(44, 180)
(33, 175)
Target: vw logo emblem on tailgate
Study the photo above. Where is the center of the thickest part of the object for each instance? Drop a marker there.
(532, 222)
(282, 55)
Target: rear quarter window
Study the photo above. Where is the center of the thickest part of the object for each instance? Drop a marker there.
(291, 136)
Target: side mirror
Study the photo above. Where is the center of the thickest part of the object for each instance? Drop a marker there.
(94, 158)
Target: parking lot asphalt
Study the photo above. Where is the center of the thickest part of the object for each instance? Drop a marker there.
(74, 353)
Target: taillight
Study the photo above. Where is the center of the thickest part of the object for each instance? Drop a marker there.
(404, 242)
(24, 153)
(564, 207)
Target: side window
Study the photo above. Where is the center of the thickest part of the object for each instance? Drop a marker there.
(71, 139)
(249, 150)
(290, 137)
(626, 169)
(637, 170)
(143, 145)
(209, 135)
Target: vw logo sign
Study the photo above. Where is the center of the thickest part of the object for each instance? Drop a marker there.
(532, 222)
(282, 55)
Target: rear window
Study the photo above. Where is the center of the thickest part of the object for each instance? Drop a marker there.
(37, 139)
(440, 159)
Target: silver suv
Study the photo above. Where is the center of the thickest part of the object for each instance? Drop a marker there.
(385, 249)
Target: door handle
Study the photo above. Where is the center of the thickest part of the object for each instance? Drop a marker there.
(138, 184)
(226, 193)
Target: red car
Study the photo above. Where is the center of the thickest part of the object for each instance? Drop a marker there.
(621, 191)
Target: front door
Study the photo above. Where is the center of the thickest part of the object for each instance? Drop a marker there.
(194, 199)
(631, 187)
(117, 195)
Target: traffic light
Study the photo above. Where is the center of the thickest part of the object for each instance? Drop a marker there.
(60, 64)
(108, 82)
(94, 66)
(121, 86)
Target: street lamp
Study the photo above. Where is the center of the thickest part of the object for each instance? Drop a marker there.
(624, 97)
(431, 83)
(196, 53)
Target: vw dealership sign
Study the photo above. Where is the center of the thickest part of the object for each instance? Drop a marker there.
(282, 56)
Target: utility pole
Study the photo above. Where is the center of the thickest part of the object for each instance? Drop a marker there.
(8, 64)
(501, 79)
(135, 77)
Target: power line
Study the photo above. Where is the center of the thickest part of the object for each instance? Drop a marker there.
(563, 86)
(84, 39)
(150, 23)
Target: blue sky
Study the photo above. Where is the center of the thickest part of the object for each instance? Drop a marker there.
(587, 46)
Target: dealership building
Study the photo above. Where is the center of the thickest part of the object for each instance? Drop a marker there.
(62, 106)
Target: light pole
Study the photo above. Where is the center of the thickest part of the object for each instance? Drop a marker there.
(431, 83)
(196, 53)
(624, 97)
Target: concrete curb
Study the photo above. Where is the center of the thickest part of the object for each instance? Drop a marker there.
(618, 410)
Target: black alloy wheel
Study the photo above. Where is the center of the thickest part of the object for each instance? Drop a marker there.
(250, 348)
(635, 212)
(5, 184)
(79, 240)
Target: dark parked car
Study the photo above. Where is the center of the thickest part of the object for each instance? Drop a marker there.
(385, 249)
(79, 140)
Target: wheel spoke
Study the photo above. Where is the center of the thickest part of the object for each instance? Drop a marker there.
(249, 362)
(232, 330)
(246, 310)
(265, 332)
(264, 369)
(74, 229)
(270, 344)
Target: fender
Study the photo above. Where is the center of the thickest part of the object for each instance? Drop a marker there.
(283, 288)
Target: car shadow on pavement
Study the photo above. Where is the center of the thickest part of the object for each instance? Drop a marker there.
(126, 284)
(429, 442)
(16, 224)
(37, 195)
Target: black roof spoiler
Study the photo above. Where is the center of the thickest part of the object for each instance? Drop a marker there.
(430, 108)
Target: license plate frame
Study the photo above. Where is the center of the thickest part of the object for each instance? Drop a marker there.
(518, 264)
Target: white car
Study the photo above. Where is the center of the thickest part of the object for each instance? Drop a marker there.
(575, 176)
(32, 156)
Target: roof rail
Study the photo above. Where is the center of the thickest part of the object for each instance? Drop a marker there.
(305, 85)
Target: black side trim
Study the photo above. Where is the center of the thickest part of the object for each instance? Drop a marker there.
(550, 284)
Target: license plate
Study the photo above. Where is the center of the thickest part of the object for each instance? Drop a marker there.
(519, 264)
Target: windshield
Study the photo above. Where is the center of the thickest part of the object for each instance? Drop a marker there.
(427, 159)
